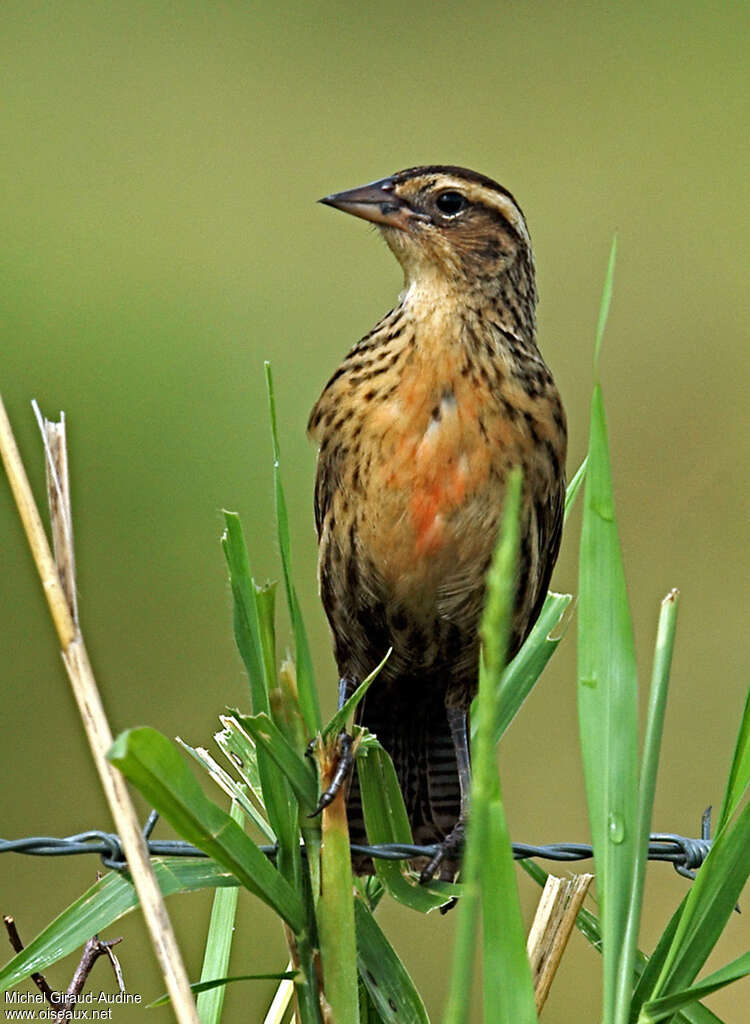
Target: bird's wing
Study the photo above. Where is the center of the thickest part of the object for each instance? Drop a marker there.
(549, 522)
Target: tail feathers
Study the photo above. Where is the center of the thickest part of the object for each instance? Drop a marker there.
(419, 742)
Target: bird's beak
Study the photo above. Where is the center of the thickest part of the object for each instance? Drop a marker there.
(376, 202)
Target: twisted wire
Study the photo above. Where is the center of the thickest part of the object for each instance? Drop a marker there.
(684, 853)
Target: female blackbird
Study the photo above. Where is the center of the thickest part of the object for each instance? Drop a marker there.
(418, 429)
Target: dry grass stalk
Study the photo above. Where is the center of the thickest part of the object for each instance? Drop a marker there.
(64, 615)
(555, 916)
(281, 1000)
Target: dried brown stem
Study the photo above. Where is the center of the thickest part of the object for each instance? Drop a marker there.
(86, 692)
(555, 916)
(93, 949)
(15, 940)
(58, 498)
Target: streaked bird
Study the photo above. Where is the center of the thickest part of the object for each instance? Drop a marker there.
(418, 429)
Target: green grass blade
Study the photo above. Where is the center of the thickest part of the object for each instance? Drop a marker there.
(652, 969)
(387, 980)
(508, 989)
(265, 602)
(648, 971)
(605, 303)
(100, 906)
(571, 492)
(647, 787)
(218, 947)
(507, 986)
(458, 1005)
(240, 751)
(247, 623)
(151, 763)
(236, 790)
(339, 720)
(212, 985)
(387, 814)
(661, 1009)
(696, 1014)
(521, 675)
(387, 822)
(607, 704)
(739, 773)
(334, 910)
(708, 906)
(254, 635)
(269, 738)
(285, 709)
(308, 695)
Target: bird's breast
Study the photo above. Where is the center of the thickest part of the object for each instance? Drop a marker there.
(418, 430)
(436, 469)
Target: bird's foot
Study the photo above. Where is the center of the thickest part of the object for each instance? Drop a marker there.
(344, 753)
(448, 857)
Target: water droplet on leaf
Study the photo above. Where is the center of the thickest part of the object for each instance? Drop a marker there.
(616, 828)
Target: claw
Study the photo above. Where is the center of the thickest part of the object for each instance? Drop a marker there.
(343, 769)
(447, 857)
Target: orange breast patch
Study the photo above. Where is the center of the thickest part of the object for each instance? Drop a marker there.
(437, 464)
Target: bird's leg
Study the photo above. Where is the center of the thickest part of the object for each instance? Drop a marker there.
(347, 686)
(450, 848)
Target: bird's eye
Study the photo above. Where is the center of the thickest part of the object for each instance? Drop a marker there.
(450, 203)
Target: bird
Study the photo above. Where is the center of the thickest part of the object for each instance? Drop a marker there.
(417, 432)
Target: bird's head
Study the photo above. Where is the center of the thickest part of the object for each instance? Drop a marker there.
(449, 222)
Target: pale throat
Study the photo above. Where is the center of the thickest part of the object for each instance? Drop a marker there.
(435, 304)
(439, 307)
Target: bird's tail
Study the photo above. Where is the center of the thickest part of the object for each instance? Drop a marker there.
(417, 736)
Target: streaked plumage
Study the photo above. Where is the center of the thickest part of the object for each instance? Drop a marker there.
(418, 429)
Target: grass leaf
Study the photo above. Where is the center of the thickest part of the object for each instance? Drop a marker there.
(661, 1009)
(605, 303)
(385, 977)
(339, 720)
(488, 873)
(247, 623)
(236, 790)
(508, 989)
(646, 789)
(387, 822)
(253, 632)
(707, 907)
(308, 695)
(152, 764)
(269, 738)
(218, 947)
(334, 910)
(739, 773)
(100, 906)
(571, 491)
(607, 705)
(265, 603)
(521, 675)
(212, 985)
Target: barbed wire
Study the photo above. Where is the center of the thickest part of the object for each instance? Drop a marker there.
(684, 853)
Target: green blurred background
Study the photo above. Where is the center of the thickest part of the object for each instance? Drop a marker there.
(160, 239)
